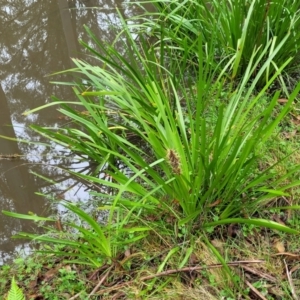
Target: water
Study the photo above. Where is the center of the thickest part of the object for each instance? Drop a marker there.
(38, 38)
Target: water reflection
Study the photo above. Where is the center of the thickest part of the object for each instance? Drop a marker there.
(37, 39)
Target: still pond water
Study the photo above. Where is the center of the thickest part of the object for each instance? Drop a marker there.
(38, 38)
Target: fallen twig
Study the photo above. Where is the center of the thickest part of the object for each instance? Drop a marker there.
(76, 296)
(260, 274)
(103, 267)
(256, 291)
(290, 256)
(288, 274)
(99, 283)
(174, 271)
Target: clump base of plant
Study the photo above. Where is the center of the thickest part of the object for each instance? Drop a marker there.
(258, 261)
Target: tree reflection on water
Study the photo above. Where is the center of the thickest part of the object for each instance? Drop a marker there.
(37, 39)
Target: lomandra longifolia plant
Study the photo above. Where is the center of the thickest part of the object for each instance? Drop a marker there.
(184, 155)
(239, 26)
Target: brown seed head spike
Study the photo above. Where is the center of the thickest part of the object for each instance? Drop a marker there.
(174, 161)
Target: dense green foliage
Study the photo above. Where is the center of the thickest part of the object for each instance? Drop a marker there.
(241, 27)
(191, 153)
(179, 114)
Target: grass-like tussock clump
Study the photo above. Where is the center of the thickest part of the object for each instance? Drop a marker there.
(187, 118)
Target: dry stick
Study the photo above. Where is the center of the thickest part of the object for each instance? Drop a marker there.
(290, 281)
(174, 271)
(103, 267)
(256, 291)
(99, 283)
(75, 296)
(260, 274)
